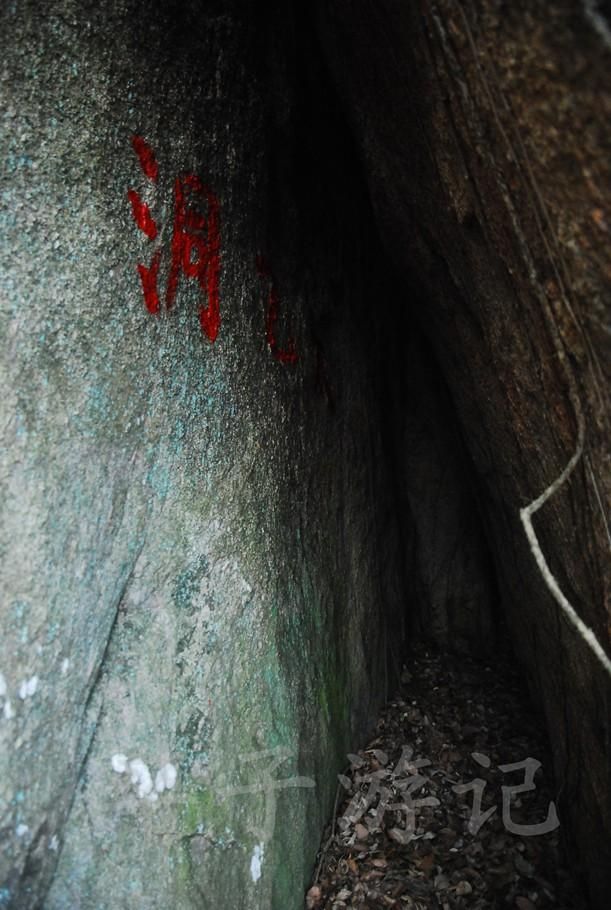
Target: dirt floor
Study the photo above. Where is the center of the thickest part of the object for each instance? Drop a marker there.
(421, 818)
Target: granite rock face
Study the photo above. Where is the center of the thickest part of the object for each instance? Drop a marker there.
(198, 556)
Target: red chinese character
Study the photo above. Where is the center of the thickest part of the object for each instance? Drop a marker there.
(289, 354)
(147, 158)
(143, 218)
(196, 234)
(195, 245)
(148, 277)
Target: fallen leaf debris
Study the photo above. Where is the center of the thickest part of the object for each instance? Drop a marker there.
(407, 831)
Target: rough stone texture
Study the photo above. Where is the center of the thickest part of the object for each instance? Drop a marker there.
(198, 552)
(206, 552)
(485, 135)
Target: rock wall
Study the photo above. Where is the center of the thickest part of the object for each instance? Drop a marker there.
(198, 548)
(484, 131)
(255, 433)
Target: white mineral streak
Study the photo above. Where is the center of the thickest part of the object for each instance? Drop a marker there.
(526, 515)
(141, 777)
(119, 763)
(256, 862)
(597, 20)
(28, 688)
(165, 779)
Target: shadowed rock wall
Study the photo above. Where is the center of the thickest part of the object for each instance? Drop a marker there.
(484, 131)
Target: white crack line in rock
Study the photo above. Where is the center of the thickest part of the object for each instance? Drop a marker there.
(526, 518)
(597, 20)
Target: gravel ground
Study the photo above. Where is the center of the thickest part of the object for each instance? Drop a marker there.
(407, 830)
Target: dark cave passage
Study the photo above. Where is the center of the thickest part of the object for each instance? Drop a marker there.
(436, 514)
(455, 685)
(462, 382)
(303, 450)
